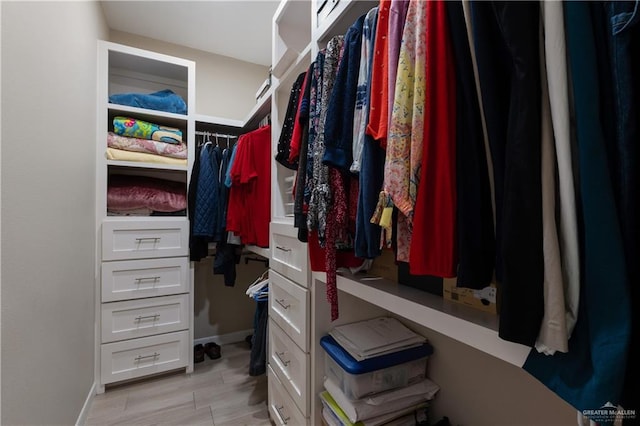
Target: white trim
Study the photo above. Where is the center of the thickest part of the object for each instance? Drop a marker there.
(0, 218)
(84, 413)
(225, 339)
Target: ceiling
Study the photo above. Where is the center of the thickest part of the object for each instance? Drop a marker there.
(239, 29)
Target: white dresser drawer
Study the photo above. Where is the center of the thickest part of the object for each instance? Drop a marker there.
(288, 254)
(145, 317)
(291, 365)
(282, 409)
(139, 357)
(289, 308)
(144, 239)
(135, 279)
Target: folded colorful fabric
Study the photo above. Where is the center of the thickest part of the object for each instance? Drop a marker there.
(142, 157)
(139, 192)
(164, 100)
(131, 127)
(147, 146)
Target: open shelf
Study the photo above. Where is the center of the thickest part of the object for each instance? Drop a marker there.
(141, 165)
(467, 325)
(146, 114)
(264, 252)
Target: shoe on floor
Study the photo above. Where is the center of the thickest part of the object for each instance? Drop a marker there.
(198, 353)
(213, 350)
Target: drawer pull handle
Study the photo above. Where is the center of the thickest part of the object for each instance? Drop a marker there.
(140, 317)
(284, 420)
(154, 279)
(283, 248)
(282, 360)
(281, 302)
(143, 239)
(140, 357)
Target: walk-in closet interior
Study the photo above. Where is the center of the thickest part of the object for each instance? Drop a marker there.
(319, 212)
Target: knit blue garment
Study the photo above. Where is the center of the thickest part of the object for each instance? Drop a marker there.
(164, 100)
(207, 197)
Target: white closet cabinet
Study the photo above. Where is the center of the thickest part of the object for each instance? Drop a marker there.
(289, 362)
(144, 299)
(299, 311)
(299, 31)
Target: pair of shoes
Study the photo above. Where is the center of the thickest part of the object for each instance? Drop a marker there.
(213, 350)
(198, 353)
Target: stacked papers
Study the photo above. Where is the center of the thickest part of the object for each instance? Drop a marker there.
(372, 409)
(334, 415)
(379, 336)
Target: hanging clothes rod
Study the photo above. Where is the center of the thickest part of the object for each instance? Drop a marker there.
(214, 134)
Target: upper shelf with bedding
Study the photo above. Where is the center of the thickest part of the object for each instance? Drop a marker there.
(145, 132)
(135, 74)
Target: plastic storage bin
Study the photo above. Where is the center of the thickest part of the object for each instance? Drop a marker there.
(358, 379)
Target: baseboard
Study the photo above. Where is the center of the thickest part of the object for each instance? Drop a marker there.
(84, 413)
(225, 339)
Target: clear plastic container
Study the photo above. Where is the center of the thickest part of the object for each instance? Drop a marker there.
(371, 376)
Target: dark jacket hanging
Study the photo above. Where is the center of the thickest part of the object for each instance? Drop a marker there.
(507, 50)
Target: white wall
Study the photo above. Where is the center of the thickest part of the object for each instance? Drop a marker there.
(48, 162)
(225, 87)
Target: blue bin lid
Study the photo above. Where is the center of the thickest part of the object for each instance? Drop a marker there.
(352, 366)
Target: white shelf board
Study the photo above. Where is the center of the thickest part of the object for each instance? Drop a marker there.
(142, 112)
(304, 58)
(264, 252)
(142, 165)
(260, 110)
(475, 328)
(210, 119)
(341, 18)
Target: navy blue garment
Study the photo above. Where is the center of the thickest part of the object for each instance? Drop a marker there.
(508, 56)
(208, 192)
(623, 37)
(258, 357)
(164, 100)
(591, 374)
(198, 246)
(476, 239)
(371, 178)
(338, 127)
(221, 221)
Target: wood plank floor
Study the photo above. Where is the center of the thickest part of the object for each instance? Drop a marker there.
(218, 392)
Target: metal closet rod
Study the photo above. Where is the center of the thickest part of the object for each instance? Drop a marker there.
(220, 135)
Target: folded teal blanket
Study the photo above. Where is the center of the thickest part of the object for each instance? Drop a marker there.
(131, 127)
(164, 100)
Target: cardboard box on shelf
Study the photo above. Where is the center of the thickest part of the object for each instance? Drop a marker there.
(484, 300)
(385, 266)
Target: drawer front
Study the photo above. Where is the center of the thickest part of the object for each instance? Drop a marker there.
(289, 308)
(288, 255)
(145, 317)
(291, 365)
(135, 279)
(144, 239)
(140, 357)
(282, 409)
